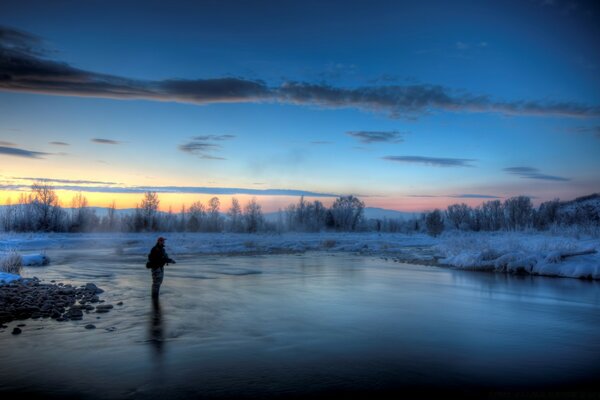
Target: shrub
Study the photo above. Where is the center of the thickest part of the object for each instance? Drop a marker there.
(11, 262)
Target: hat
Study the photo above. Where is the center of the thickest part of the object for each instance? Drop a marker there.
(161, 239)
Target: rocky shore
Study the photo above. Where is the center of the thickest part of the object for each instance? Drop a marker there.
(30, 298)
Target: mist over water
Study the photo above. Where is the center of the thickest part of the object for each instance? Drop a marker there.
(307, 324)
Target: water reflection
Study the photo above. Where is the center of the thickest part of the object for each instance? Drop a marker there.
(156, 328)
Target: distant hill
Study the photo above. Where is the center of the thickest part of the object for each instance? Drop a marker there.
(369, 213)
(381, 213)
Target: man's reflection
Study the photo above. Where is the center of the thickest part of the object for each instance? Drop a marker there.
(156, 327)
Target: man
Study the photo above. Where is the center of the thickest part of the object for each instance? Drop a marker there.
(157, 259)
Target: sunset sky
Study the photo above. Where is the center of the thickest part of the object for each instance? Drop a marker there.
(408, 105)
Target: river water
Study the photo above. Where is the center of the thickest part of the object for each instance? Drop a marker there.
(305, 325)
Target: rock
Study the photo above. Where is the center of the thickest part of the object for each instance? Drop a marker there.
(90, 326)
(16, 331)
(90, 287)
(120, 303)
(21, 325)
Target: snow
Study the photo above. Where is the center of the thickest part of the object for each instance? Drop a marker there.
(35, 260)
(517, 252)
(5, 277)
(509, 252)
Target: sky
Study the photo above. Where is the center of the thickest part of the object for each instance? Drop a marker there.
(408, 105)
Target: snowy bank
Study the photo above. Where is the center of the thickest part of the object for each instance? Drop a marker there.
(538, 253)
(517, 252)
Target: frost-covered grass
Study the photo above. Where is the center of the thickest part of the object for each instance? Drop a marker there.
(11, 262)
(518, 252)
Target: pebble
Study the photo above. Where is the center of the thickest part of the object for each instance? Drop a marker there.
(31, 298)
(90, 326)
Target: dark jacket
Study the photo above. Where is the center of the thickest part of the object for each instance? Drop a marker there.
(158, 257)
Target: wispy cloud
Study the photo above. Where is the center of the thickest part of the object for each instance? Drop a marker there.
(59, 143)
(432, 161)
(473, 196)
(176, 189)
(376, 136)
(204, 146)
(67, 181)
(458, 196)
(23, 67)
(17, 152)
(321, 142)
(594, 130)
(8, 144)
(105, 141)
(533, 173)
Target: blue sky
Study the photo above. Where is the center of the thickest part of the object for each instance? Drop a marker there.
(410, 105)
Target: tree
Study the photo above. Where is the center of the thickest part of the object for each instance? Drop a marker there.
(83, 219)
(235, 216)
(492, 215)
(459, 215)
(253, 216)
(111, 217)
(214, 217)
(518, 212)
(434, 223)
(149, 209)
(347, 212)
(46, 207)
(197, 214)
(547, 214)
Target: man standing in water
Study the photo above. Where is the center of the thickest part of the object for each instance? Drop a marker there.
(157, 259)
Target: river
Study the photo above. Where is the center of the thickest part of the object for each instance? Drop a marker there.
(303, 325)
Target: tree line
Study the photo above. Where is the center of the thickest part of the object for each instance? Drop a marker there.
(40, 210)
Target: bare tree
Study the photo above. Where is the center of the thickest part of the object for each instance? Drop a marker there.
(235, 216)
(492, 215)
(46, 206)
(434, 223)
(518, 212)
(253, 216)
(214, 216)
(196, 217)
(347, 212)
(459, 215)
(149, 210)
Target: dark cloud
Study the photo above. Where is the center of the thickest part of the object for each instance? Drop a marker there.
(433, 161)
(217, 138)
(17, 152)
(376, 136)
(533, 173)
(23, 67)
(178, 189)
(198, 147)
(105, 141)
(59, 143)
(204, 145)
(594, 130)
